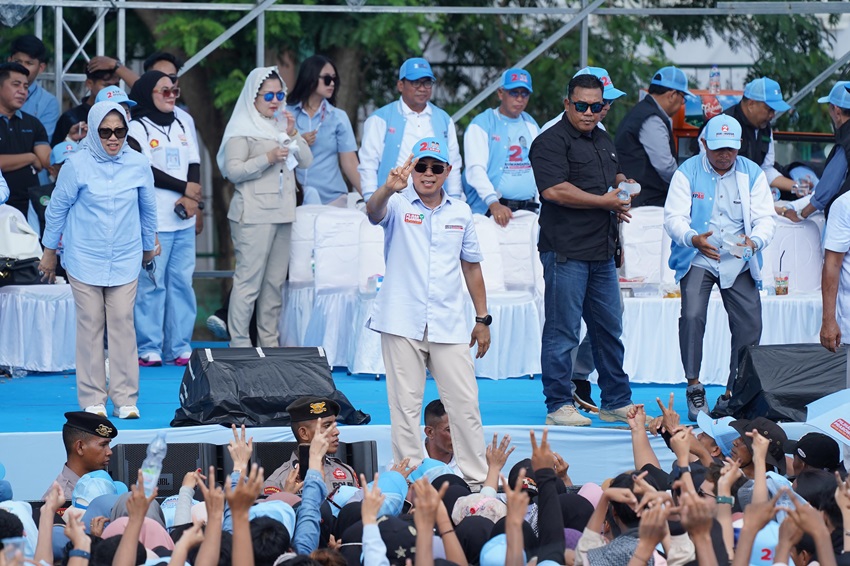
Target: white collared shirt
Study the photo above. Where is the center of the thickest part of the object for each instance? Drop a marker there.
(423, 283)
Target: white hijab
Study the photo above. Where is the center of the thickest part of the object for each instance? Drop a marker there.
(246, 121)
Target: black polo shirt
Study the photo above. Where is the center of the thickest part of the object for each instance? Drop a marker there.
(588, 161)
(20, 134)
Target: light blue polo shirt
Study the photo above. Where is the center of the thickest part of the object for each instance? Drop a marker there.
(334, 135)
(423, 282)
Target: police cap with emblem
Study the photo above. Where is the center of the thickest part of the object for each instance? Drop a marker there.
(312, 408)
(91, 423)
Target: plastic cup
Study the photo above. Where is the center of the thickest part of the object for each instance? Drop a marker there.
(631, 188)
(781, 281)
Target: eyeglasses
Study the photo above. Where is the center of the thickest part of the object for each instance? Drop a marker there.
(435, 168)
(328, 79)
(518, 93)
(422, 83)
(595, 107)
(166, 92)
(269, 96)
(106, 133)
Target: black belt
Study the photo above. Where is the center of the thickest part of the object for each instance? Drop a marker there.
(515, 205)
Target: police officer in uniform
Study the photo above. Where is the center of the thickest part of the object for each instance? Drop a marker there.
(86, 437)
(305, 413)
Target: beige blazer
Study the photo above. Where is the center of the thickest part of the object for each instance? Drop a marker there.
(265, 193)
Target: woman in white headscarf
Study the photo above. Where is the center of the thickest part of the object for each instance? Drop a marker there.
(258, 154)
(104, 209)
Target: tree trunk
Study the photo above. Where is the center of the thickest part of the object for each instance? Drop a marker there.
(348, 61)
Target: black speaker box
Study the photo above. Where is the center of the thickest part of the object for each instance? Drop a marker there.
(180, 458)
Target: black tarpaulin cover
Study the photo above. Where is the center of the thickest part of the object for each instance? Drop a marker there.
(778, 382)
(253, 386)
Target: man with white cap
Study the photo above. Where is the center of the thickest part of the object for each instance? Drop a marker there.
(645, 143)
(761, 101)
(718, 214)
(835, 280)
(392, 129)
(834, 181)
(498, 179)
(609, 95)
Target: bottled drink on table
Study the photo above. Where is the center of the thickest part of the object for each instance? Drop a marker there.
(152, 466)
(714, 80)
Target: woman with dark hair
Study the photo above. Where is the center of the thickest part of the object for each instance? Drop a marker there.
(165, 303)
(328, 131)
(260, 148)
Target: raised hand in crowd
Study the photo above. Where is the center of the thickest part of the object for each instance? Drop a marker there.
(76, 533)
(541, 455)
(240, 449)
(293, 483)
(562, 468)
(372, 501)
(191, 537)
(497, 455)
(653, 529)
(404, 468)
(517, 503)
(398, 176)
(759, 450)
(790, 534)
(52, 502)
(319, 445)
(811, 522)
(756, 516)
(729, 474)
(697, 516)
(642, 451)
(97, 525)
(240, 499)
(670, 419)
(214, 501)
(137, 508)
(428, 503)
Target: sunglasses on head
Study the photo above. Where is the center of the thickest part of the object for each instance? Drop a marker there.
(168, 92)
(328, 79)
(435, 168)
(269, 96)
(106, 133)
(518, 93)
(595, 107)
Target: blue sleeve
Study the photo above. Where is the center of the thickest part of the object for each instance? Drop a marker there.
(345, 140)
(831, 180)
(147, 210)
(227, 518)
(308, 516)
(374, 549)
(63, 198)
(4, 190)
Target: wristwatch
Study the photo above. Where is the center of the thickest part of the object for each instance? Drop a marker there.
(486, 320)
(118, 64)
(677, 471)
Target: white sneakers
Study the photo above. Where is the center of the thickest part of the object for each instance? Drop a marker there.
(98, 409)
(127, 412)
(567, 416)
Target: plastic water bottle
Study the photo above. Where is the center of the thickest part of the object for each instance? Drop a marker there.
(152, 466)
(775, 192)
(714, 80)
(623, 195)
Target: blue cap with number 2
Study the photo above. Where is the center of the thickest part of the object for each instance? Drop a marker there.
(431, 147)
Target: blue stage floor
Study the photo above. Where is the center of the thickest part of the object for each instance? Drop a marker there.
(37, 402)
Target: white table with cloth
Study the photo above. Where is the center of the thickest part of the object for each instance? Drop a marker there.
(37, 327)
(651, 335)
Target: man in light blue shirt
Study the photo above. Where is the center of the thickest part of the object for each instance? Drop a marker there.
(29, 51)
(4, 190)
(719, 214)
(430, 243)
(498, 179)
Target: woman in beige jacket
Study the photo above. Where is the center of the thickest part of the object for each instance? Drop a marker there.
(260, 149)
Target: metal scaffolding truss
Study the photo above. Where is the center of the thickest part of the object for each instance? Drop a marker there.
(578, 14)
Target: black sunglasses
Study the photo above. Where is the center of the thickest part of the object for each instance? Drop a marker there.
(328, 79)
(106, 133)
(582, 107)
(435, 168)
(269, 96)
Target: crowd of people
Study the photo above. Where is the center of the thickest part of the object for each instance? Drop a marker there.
(123, 214)
(739, 492)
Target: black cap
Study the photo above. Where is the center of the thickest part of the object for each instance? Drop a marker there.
(530, 483)
(312, 408)
(770, 430)
(817, 450)
(91, 423)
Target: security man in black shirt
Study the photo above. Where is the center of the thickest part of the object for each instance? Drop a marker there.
(574, 165)
(304, 413)
(24, 150)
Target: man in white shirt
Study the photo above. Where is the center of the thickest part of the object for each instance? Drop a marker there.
(393, 129)
(498, 179)
(430, 246)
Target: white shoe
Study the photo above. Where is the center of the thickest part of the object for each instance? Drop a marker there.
(217, 326)
(567, 416)
(98, 409)
(127, 412)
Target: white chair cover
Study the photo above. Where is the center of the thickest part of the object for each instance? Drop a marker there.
(641, 241)
(803, 255)
(298, 292)
(517, 254)
(365, 356)
(17, 238)
(515, 332)
(336, 254)
(38, 327)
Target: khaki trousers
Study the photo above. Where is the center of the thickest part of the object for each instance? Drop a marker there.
(112, 306)
(262, 260)
(454, 373)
